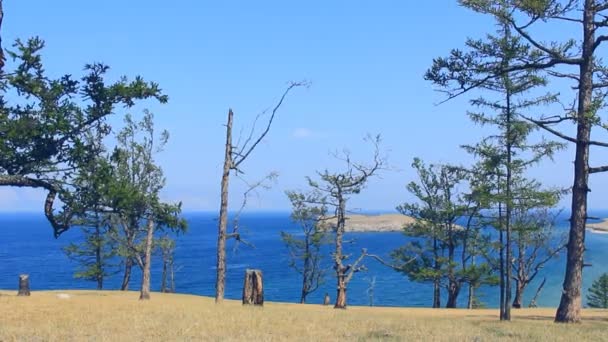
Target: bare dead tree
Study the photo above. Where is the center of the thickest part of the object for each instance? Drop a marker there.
(233, 160)
(338, 188)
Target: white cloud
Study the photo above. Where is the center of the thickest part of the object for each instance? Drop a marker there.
(302, 133)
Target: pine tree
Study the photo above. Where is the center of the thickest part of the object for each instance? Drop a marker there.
(559, 58)
(443, 252)
(598, 293)
(507, 154)
(305, 256)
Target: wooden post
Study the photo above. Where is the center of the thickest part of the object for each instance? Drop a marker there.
(24, 285)
(326, 300)
(253, 288)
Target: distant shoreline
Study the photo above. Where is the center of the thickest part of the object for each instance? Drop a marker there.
(398, 222)
(376, 223)
(598, 228)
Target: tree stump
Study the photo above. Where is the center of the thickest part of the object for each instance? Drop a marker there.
(24, 285)
(253, 288)
(326, 300)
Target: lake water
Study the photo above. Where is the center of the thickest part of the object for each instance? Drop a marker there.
(27, 246)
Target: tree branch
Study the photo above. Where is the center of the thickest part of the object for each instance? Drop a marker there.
(21, 181)
(245, 154)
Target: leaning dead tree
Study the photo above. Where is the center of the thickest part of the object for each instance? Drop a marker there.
(234, 157)
(338, 188)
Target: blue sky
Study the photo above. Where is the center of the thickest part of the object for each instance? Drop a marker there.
(365, 61)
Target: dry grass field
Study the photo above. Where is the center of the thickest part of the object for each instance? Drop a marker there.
(115, 316)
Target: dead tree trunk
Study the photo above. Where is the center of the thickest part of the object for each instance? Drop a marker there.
(220, 281)
(24, 285)
(253, 288)
(145, 279)
(535, 298)
(233, 158)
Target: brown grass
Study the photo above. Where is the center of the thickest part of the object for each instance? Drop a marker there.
(115, 316)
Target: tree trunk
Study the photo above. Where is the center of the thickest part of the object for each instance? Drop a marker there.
(326, 300)
(436, 285)
(253, 288)
(453, 291)
(509, 206)
(24, 285)
(522, 279)
(471, 297)
(501, 261)
(98, 252)
(341, 293)
(220, 281)
(172, 268)
(306, 270)
(535, 298)
(340, 269)
(453, 285)
(126, 278)
(2, 58)
(145, 279)
(163, 280)
(303, 295)
(569, 310)
(519, 292)
(436, 294)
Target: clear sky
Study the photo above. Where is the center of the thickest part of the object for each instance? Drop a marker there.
(365, 61)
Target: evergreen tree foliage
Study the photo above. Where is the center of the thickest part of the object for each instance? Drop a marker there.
(598, 293)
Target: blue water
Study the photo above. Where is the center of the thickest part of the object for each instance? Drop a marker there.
(27, 246)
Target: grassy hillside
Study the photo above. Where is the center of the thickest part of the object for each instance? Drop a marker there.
(115, 316)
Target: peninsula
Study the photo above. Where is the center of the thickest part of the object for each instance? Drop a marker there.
(600, 227)
(376, 223)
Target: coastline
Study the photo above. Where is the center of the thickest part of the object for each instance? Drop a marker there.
(598, 228)
(376, 223)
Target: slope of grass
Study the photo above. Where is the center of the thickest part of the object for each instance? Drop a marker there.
(116, 316)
